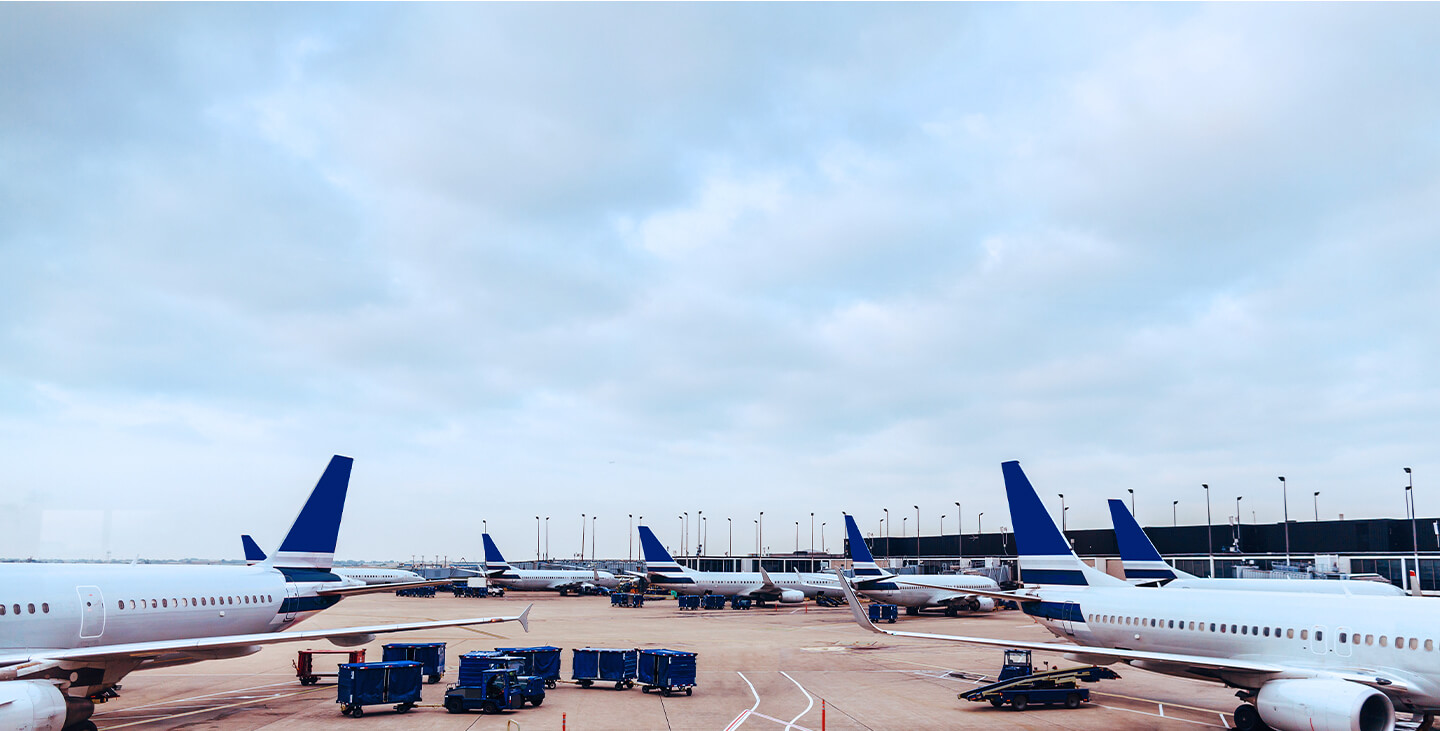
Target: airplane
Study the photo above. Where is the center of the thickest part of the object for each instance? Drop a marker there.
(663, 571)
(947, 591)
(1143, 564)
(1300, 662)
(70, 632)
(396, 578)
(565, 581)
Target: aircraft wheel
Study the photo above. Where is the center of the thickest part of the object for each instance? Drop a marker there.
(1073, 700)
(951, 611)
(1020, 702)
(1248, 718)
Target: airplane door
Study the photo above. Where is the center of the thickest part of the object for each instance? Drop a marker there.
(1318, 640)
(1343, 645)
(289, 603)
(1070, 614)
(92, 612)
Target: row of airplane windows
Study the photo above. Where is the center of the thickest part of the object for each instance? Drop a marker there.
(44, 608)
(1344, 638)
(195, 601)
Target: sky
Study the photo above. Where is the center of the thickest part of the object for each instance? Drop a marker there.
(652, 259)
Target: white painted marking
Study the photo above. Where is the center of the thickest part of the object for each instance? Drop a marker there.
(743, 714)
(810, 702)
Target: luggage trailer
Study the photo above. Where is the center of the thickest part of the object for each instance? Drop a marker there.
(1020, 687)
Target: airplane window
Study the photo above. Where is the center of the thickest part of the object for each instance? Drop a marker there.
(1266, 632)
(16, 607)
(1303, 634)
(132, 603)
(121, 603)
(245, 600)
(163, 603)
(1290, 633)
(1213, 626)
(1429, 646)
(45, 607)
(1411, 645)
(1233, 629)
(1223, 629)
(32, 611)
(1383, 641)
(1370, 639)
(1173, 624)
(2, 610)
(154, 604)
(1253, 630)
(1355, 638)
(1399, 640)
(1243, 629)
(1319, 635)
(1193, 625)
(1342, 638)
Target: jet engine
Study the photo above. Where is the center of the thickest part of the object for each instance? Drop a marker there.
(34, 705)
(1324, 705)
(791, 596)
(983, 604)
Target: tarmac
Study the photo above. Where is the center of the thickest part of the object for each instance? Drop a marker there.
(803, 667)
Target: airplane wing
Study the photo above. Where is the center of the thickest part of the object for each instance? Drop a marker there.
(379, 588)
(970, 592)
(1093, 654)
(19, 663)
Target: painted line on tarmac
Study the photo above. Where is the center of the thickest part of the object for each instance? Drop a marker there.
(191, 698)
(1152, 715)
(209, 710)
(735, 724)
(810, 702)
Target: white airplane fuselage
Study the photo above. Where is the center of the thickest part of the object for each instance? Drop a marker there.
(744, 583)
(377, 576)
(1300, 631)
(551, 579)
(895, 591)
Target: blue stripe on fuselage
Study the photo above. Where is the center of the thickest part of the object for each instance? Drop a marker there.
(295, 575)
(663, 579)
(1150, 574)
(307, 603)
(1067, 611)
(1063, 577)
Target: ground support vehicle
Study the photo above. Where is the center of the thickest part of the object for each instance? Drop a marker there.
(591, 664)
(740, 602)
(542, 662)
(829, 601)
(688, 602)
(417, 591)
(430, 655)
(669, 671)
(1020, 688)
(493, 691)
(713, 601)
(305, 664)
(374, 683)
(883, 612)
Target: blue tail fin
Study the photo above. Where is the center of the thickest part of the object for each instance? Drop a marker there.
(863, 563)
(493, 560)
(1139, 556)
(660, 568)
(253, 554)
(1045, 556)
(310, 544)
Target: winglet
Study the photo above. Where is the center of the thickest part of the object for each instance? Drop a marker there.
(766, 582)
(524, 618)
(856, 610)
(311, 541)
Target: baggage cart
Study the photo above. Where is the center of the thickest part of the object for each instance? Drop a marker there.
(713, 601)
(669, 671)
(740, 602)
(591, 664)
(305, 664)
(619, 599)
(373, 683)
(1020, 687)
(430, 655)
(883, 612)
(688, 602)
(542, 662)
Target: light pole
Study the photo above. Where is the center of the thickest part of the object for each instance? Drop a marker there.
(703, 526)
(904, 518)
(582, 536)
(758, 536)
(1238, 524)
(761, 533)
(592, 536)
(1173, 512)
(1063, 512)
(978, 524)
(1315, 506)
(1415, 546)
(730, 537)
(918, 534)
(681, 518)
(1209, 550)
(700, 544)
(798, 536)
(813, 532)
(630, 533)
(1133, 501)
(547, 537)
(537, 538)
(1285, 519)
(960, 528)
(888, 530)
(684, 533)
(823, 536)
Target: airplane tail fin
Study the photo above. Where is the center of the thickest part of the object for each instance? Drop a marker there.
(1045, 556)
(862, 563)
(1139, 556)
(310, 544)
(253, 554)
(494, 562)
(657, 559)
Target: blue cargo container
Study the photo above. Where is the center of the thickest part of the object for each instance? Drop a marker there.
(740, 602)
(668, 671)
(713, 601)
(430, 655)
(883, 612)
(472, 664)
(589, 664)
(688, 602)
(374, 683)
(542, 662)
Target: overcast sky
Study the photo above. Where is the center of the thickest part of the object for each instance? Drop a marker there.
(557, 259)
